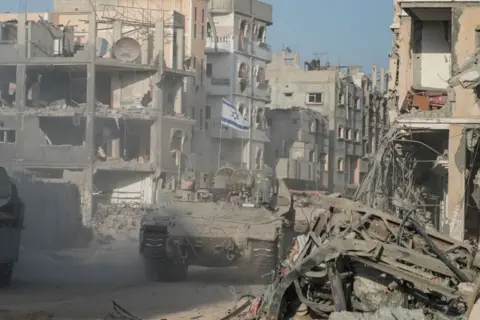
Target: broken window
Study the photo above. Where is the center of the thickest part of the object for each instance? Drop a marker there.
(63, 131)
(8, 136)
(177, 140)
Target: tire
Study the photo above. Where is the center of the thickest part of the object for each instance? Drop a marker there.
(263, 259)
(6, 271)
(164, 271)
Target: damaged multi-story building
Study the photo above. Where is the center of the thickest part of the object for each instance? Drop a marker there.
(99, 104)
(237, 54)
(322, 119)
(433, 97)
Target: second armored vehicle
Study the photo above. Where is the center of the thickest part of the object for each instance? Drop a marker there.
(11, 225)
(244, 218)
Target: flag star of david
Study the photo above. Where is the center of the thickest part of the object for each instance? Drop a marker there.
(235, 115)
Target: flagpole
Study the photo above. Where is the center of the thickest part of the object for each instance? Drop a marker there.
(220, 145)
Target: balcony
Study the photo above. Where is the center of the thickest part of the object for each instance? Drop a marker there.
(261, 11)
(218, 86)
(220, 44)
(263, 51)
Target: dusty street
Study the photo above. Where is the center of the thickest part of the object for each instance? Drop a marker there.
(72, 290)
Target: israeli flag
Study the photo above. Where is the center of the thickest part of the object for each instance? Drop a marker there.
(232, 118)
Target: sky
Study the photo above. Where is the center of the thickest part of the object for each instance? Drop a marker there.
(349, 32)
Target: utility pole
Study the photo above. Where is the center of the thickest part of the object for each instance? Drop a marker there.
(250, 103)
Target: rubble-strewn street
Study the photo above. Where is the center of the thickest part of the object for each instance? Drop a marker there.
(161, 159)
(85, 289)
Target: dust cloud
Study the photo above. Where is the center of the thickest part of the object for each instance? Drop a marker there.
(116, 263)
(111, 257)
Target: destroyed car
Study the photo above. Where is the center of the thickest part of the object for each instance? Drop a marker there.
(11, 225)
(236, 218)
(357, 261)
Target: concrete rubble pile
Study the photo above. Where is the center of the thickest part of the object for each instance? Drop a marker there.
(357, 262)
(117, 222)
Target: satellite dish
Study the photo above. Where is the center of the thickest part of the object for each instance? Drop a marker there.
(243, 176)
(224, 172)
(126, 49)
(102, 47)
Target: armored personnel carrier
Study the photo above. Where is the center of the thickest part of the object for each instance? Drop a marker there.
(236, 218)
(11, 225)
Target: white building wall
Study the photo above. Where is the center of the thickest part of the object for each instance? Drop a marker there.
(435, 57)
(225, 55)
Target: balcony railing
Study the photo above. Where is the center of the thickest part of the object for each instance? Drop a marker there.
(220, 44)
(261, 10)
(220, 81)
(218, 86)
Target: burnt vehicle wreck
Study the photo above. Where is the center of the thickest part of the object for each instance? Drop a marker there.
(236, 218)
(359, 259)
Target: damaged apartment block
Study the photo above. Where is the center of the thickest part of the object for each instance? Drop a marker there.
(427, 164)
(95, 98)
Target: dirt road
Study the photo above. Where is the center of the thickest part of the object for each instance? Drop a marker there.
(58, 285)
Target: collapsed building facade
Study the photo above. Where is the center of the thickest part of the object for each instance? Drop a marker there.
(434, 100)
(94, 111)
(337, 114)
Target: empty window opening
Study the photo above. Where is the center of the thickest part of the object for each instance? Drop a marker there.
(341, 132)
(340, 164)
(259, 119)
(241, 34)
(349, 134)
(244, 27)
(323, 160)
(243, 76)
(63, 131)
(341, 98)
(243, 110)
(261, 34)
(8, 136)
(259, 159)
(177, 141)
(357, 103)
(288, 94)
(261, 77)
(357, 136)
(208, 112)
(311, 155)
(129, 140)
(209, 70)
(315, 98)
